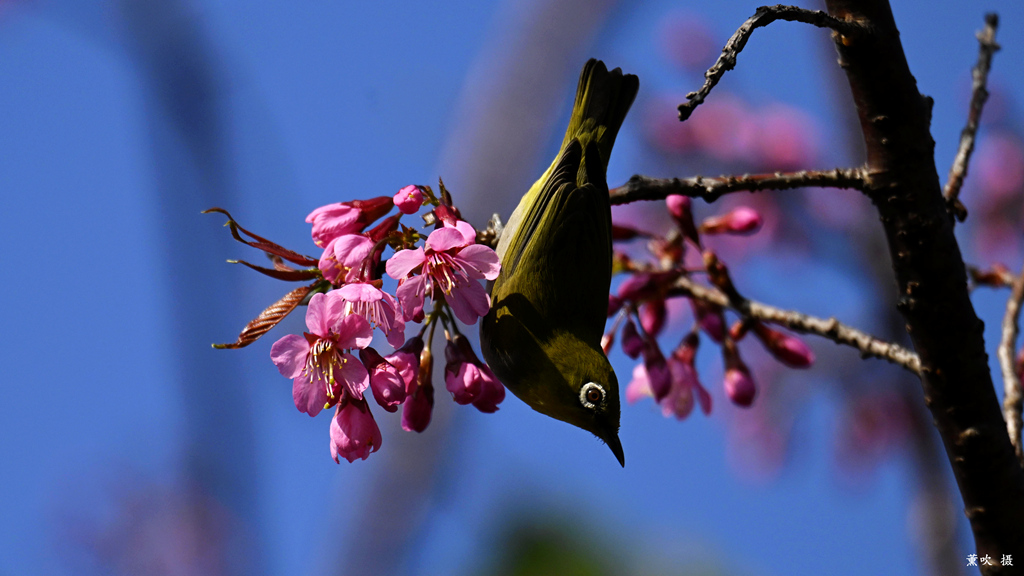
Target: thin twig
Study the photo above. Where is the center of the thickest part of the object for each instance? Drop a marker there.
(998, 276)
(763, 16)
(1012, 398)
(979, 94)
(710, 189)
(832, 329)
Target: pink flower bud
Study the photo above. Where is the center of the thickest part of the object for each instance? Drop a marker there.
(678, 205)
(658, 372)
(687, 350)
(447, 215)
(709, 318)
(614, 304)
(417, 408)
(409, 199)
(632, 343)
(407, 361)
(354, 432)
(607, 341)
(787, 349)
(342, 218)
(740, 387)
(652, 316)
(742, 220)
(420, 402)
(385, 380)
(469, 380)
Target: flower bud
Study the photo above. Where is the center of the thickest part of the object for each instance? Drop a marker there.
(407, 361)
(787, 349)
(742, 220)
(409, 199)
(632, 343)
(739, 386)
(354, 432)
(385, 380)
(680, 207)
(658, 372)
(447, 215)
(652, 316)
(614, 304)
(709, 318)
(420, 402)
(607, 341)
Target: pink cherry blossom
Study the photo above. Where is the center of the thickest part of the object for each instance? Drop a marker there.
(320, 364)
(469, 380)
(385, 380)
(378, 307)
(354, 432)
(344, 256)
(684, 388)
(342, 218)
(409, 199)
(450, 266)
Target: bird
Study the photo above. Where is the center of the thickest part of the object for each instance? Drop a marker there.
(542, 334)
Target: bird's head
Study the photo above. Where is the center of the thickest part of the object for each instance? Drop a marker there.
(578, 386)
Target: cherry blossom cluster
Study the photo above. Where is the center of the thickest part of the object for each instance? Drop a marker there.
(640, 307)
(333, 364)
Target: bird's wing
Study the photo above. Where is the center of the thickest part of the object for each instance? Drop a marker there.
(572, 213)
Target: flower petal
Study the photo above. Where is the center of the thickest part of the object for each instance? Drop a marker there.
(317, 316)
(353, 331)
(466, 229)
(469, 301)
(354, 376)
(411, 294)
(360, 292)
(310, 395)
(352, 249)
(289, 355)
(445, 239)
(403, 262)
(482, 259)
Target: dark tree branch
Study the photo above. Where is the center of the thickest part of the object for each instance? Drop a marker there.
(931, 278)
(710, 189)
(763, 16)
(832, 329)
(1012, 398)
(979, 94)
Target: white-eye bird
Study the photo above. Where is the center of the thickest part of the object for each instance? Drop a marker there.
(542, 336)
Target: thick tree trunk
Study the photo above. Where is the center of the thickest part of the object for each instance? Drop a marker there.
(931, 278)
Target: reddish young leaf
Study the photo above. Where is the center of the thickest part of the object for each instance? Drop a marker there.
(269, 318)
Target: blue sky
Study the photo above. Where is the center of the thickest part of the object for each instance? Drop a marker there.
(321, 102)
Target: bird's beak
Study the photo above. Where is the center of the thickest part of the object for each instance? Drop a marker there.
(613, 442)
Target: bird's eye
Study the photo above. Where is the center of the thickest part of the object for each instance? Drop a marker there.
(591, 395)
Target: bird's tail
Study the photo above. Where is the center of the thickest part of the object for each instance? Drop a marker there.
(602, 100)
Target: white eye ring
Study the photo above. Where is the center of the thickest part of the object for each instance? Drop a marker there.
(588, 390)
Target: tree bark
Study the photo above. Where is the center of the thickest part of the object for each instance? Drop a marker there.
(903, 183)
